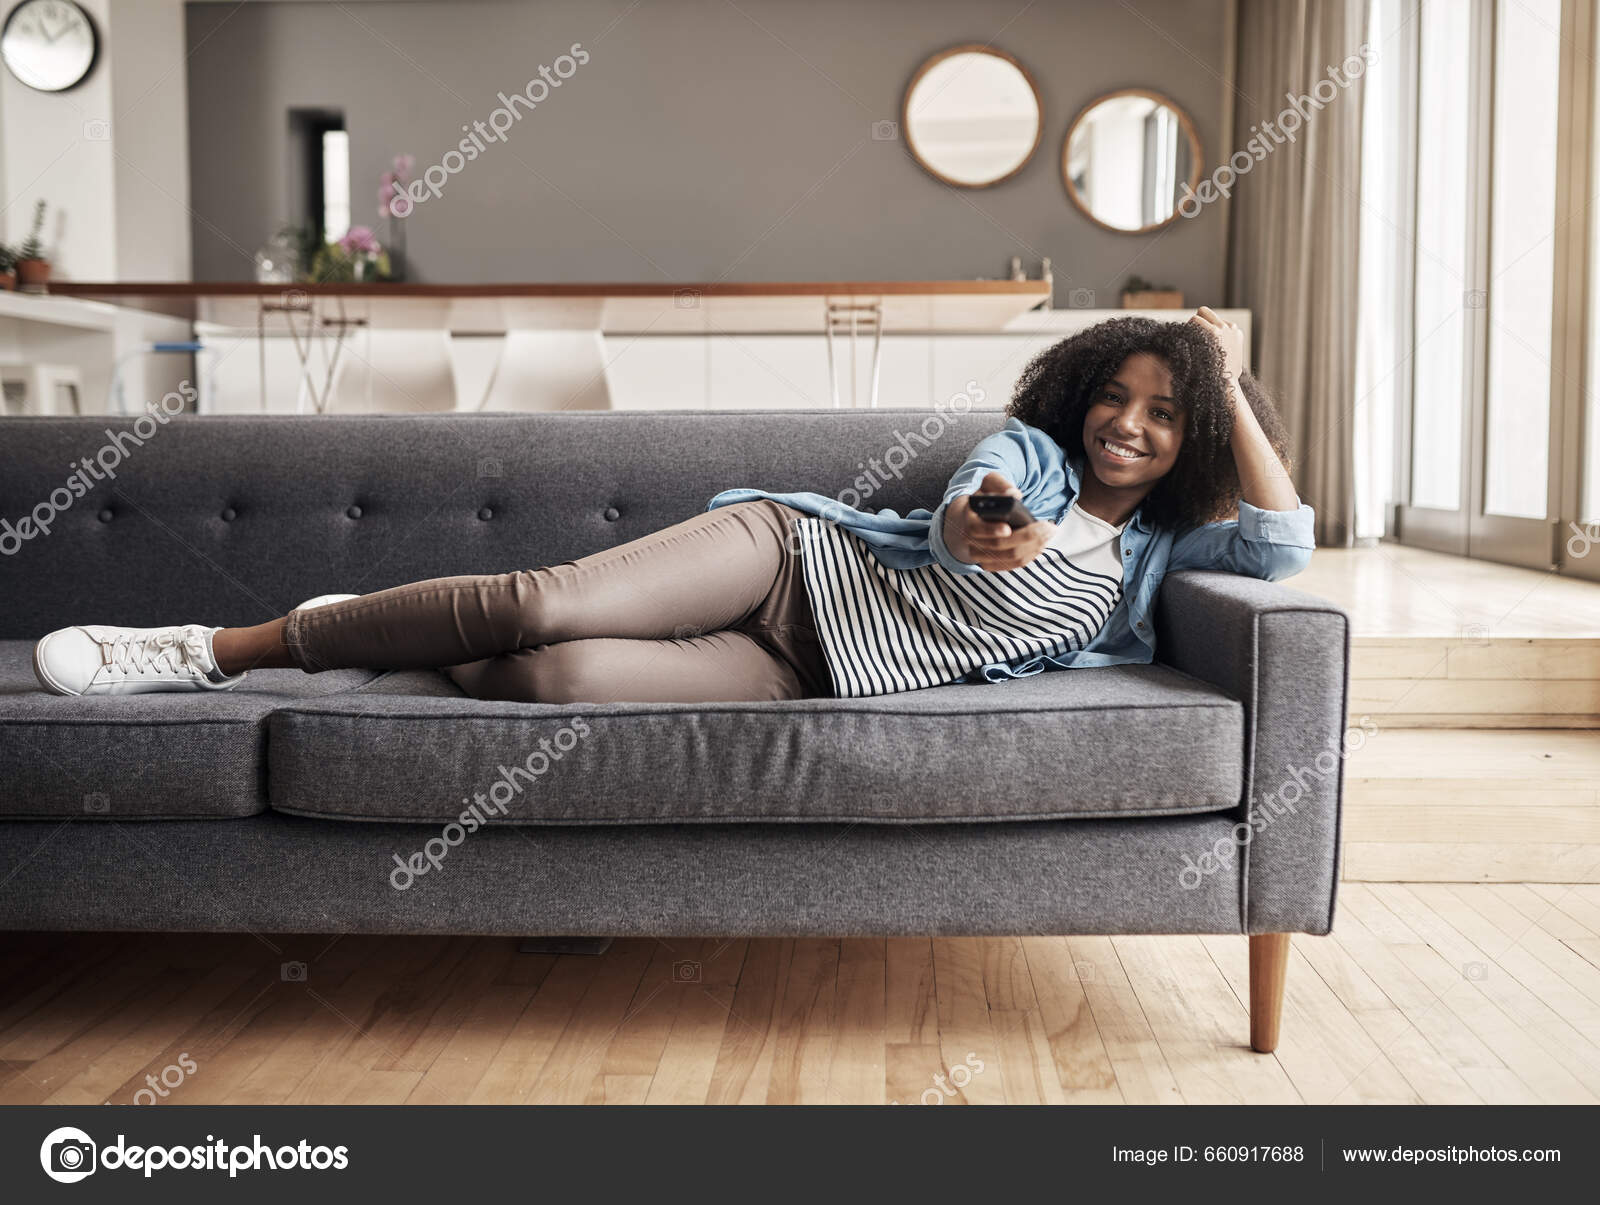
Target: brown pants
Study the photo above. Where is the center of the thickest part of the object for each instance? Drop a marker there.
(712, 609)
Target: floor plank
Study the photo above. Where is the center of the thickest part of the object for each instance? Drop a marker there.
(689, 1057)
(743, 1069)
(802, 1056)
(1143, 1075)
(1083, 1066)
(966, 1030)
(856, 1068)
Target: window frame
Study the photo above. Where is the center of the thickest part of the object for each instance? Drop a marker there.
(1468, 530)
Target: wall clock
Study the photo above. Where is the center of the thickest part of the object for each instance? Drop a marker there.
(50, 45)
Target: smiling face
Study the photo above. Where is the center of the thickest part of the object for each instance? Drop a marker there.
(1133, 429)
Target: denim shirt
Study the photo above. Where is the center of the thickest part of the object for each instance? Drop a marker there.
(1266, 544)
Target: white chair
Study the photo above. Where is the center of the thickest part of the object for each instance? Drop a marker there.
(546, 370)
(41, 388)
(394, 372)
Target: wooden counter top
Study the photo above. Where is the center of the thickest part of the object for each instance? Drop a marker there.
(741, 307)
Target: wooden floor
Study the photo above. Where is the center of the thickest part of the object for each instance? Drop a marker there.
(1391, 590)
(1481, 686)
(1466, 805)
(1428, 993)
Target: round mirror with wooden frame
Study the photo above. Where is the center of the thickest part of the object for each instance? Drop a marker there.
(1127, 158)
(972, 116)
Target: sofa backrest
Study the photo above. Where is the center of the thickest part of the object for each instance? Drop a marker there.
(233, 520)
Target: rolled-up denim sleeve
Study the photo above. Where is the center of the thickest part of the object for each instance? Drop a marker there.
(1266, 544)
(941, 550)
(1009, 451)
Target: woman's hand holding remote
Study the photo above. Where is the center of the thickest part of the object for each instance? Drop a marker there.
(993, 547)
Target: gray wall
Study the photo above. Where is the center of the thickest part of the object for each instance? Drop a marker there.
(702, 141)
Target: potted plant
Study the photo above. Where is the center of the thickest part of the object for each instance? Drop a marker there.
(356, 258)
(1140, 294)
(8, 266)
(33, 269)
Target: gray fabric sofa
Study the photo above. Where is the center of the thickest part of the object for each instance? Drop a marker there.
(1089, 801)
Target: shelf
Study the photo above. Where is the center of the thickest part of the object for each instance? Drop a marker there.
(623, 308)
(57, 311)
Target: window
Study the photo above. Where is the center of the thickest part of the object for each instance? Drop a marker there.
(319, 172)
(1522, 256)
(1489, 149)
(1589, 500)
(1381, 364)
(1442, 287)
(335, 185)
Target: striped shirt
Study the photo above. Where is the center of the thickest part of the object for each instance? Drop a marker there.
(885, 630)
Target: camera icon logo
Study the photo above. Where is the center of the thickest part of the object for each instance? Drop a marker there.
(97, 801)
(686, 970)
(293, 972)
(67, 1155)
(490, 466)
(885, 131)
(686, 299)
(1475, 299)
(1081, 299)
(96, 129)
(1475, 971)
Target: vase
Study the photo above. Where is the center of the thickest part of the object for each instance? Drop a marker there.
(397, 248)
(33, 273)
(278, 261)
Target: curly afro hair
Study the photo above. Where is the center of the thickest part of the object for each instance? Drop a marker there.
(1057, 388)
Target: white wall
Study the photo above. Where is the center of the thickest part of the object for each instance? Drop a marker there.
(150, 138)
(51, 150)
(110, 157)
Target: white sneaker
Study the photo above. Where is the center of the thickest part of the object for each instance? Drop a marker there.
(323, 600)
(95, 660)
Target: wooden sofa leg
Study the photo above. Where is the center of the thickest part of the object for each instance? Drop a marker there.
(1269, 960)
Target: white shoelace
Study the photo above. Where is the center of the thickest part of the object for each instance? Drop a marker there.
(177, 651)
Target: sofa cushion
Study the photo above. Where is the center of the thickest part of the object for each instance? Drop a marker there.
(146, 756)
(1121, 741)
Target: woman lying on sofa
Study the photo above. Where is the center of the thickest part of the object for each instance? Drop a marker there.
(1134, 448)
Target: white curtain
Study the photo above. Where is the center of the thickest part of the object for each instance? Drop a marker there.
(1380, 365)
(1295, 231)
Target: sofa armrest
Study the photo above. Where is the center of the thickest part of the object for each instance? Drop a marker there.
(1286, 656)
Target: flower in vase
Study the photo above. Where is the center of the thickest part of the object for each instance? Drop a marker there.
(360, 241)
